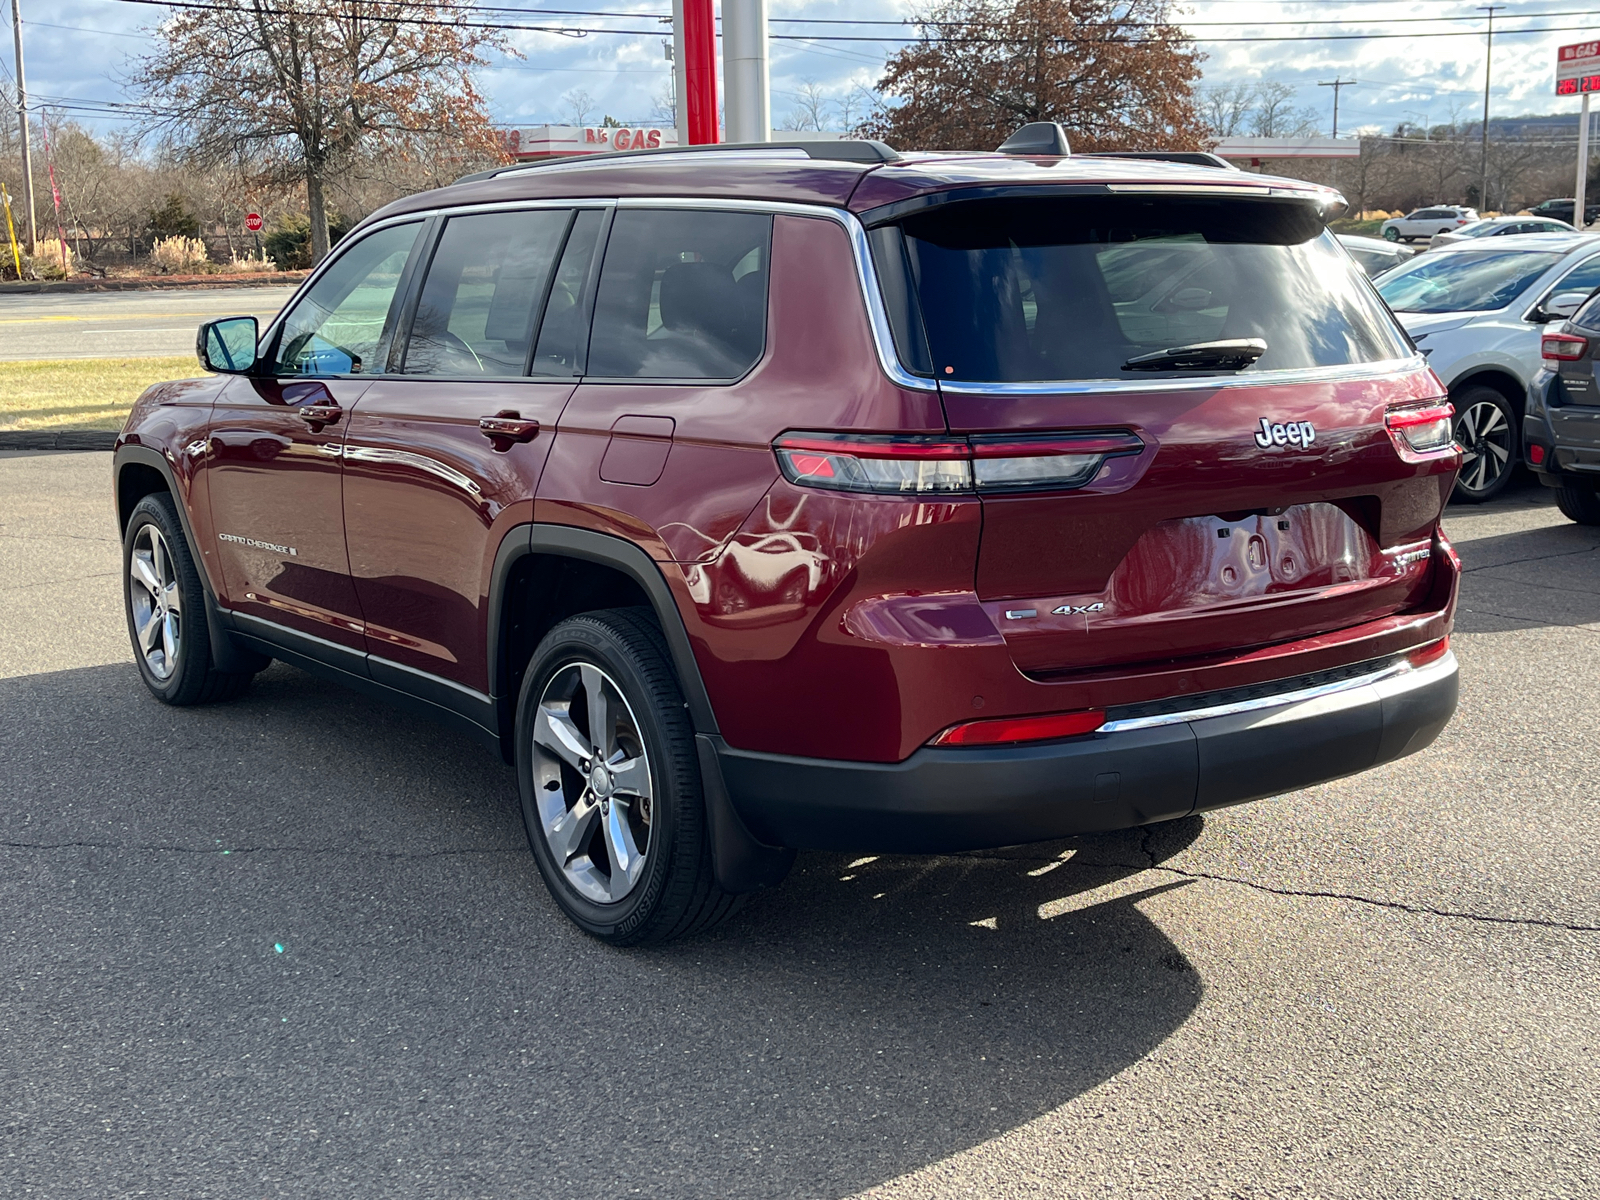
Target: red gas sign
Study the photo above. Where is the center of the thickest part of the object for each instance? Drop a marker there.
(1578, 68)
(252, 222)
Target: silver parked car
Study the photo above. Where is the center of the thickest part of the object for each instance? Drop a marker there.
(1500, 227)
(1425, 222)
(1477, 310)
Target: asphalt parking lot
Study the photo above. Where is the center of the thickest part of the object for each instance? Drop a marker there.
(122, 324)
(295, 946)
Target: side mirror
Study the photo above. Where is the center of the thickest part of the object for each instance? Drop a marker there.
(1562, 305)
(227, 346)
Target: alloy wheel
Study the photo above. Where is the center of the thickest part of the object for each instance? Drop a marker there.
(1486, 437)
(156, 599)
(592, 777)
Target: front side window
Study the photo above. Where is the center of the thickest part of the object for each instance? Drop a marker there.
(337, 327)
(1474, 282)
(483, 293)
(683, 295)
(1076, 287)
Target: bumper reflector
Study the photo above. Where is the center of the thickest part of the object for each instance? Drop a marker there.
(1001, 730)
(1535, 453)
(1432, 652)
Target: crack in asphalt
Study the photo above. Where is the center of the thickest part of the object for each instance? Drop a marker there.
(1580, 626)
(1465, 570)
(1144, 848)
(232, 850)
(1398, 905)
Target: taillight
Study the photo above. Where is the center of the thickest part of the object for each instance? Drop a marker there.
(1430, 653)
(892, 465)
(1426, 427)
(919, 465)
(1563, 347)
(1000, 730)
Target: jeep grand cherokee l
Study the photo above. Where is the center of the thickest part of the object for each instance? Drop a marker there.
(755, 499)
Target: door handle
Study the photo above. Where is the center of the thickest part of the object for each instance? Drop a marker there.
(318, 415)
(505, 429)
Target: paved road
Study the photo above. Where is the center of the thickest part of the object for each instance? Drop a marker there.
(1381, 988)
(122, 324)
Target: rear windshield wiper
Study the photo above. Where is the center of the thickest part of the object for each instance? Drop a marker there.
(1233, 355)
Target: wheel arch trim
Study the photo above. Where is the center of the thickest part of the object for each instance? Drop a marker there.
(226, 655)
(568, 541)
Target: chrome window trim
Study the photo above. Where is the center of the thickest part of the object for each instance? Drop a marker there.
(422, 216)
(1414, 677)
(878, 312)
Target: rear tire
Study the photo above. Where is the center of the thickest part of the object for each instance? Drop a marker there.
(1579, 502)
(616, 818)
(165, 603)
(1486, 428)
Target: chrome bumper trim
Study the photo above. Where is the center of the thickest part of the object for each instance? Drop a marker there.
(1405, 675)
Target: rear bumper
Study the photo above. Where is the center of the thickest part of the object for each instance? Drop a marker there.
(1133, 773)
(1568, 435)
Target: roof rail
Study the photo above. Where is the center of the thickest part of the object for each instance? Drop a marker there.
(1194, 158)
(845, 150)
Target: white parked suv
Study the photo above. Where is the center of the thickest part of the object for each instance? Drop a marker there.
(1425, 222)
(1478, 310)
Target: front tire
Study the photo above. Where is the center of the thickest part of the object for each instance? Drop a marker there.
(1579, 502)
(1486, 428)
(610, 783)
(165, 603)
(1391, 234)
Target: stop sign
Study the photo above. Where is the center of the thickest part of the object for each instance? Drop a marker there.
(252, 222)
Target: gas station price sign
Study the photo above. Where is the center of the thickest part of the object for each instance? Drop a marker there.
(1578, 68)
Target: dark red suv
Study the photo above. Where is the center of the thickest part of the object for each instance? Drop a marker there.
(753, 499)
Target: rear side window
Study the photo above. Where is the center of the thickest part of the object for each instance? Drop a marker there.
(1072, 288)
(483, 293)
(683, 295)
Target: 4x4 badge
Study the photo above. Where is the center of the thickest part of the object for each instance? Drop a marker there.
(1289, 433)
(1072, 610)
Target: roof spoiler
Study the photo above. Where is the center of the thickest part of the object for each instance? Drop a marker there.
(856, 150)
(1045, 139)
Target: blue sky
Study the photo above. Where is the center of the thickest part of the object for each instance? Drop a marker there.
(79, 51)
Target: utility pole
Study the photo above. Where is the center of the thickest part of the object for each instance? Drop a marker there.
(680, 84)
(1488, 62)
(744, 70)
(1336, 85)
(22, 118)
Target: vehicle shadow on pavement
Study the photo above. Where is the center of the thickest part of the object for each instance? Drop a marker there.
(296, 945)
(1544, 576)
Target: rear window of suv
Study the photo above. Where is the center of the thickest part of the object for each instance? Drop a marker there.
(1072, 288)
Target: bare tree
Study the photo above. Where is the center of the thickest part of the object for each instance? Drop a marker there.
(664, 107)
(295, 93)
(1226, 108)
(579, 106)
(810, 109)
(1274, 114)
(859, 107)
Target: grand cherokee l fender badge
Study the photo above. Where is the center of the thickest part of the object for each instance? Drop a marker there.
(252, 542)
(1289, 433)
(1074, 610)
